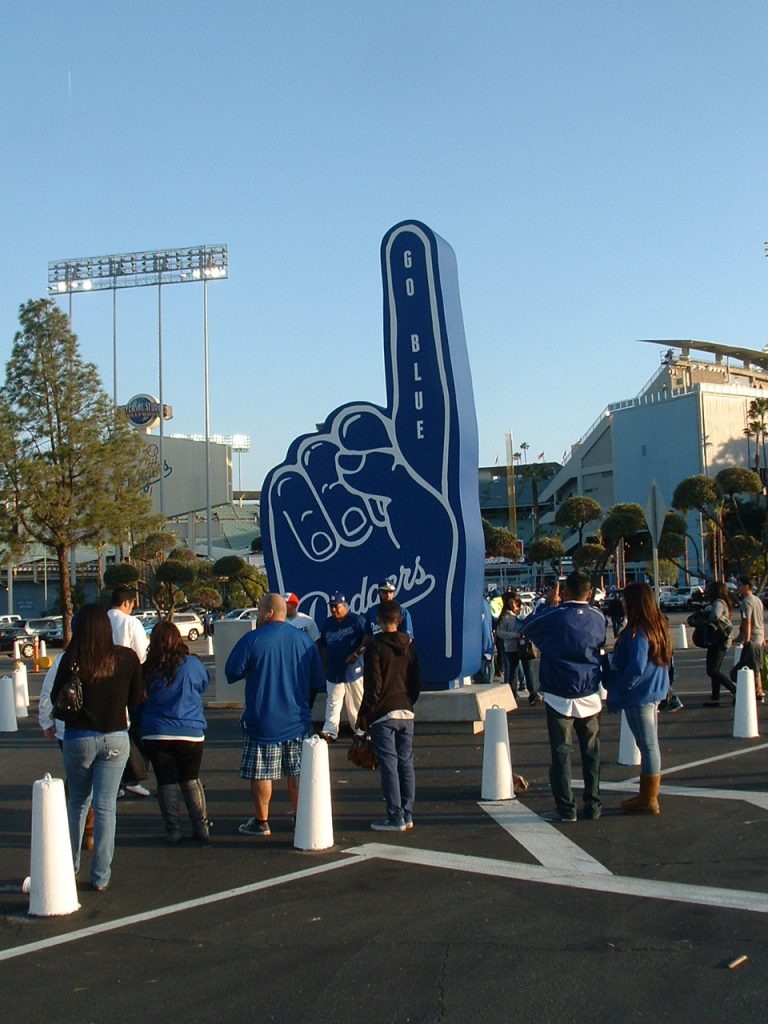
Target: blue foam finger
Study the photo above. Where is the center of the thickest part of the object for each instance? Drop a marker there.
(412, 465)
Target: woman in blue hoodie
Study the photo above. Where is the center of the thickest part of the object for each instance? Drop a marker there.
(173, 728)
(638, 680)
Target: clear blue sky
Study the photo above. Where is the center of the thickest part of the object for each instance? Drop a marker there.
(600, 168)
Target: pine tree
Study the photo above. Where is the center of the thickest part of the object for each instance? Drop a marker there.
(71, 468)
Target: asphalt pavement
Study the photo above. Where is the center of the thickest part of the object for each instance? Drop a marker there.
(482, 912)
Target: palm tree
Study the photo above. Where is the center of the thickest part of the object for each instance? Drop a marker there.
(757, 424)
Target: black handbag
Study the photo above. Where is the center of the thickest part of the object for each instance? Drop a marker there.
(68, 702)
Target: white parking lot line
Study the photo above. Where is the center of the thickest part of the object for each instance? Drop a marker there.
(549, 846)
(701, 895)
(174, 908)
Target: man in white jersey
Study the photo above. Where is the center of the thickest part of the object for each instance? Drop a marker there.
(299, 620)
(127, 631)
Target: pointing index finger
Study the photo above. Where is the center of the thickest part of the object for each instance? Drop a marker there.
(429, 388)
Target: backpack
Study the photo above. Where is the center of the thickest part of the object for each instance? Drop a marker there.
(707, 634)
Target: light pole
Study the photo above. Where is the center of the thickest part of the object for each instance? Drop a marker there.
(140, 269)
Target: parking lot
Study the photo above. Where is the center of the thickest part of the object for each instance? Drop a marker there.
(482, 911)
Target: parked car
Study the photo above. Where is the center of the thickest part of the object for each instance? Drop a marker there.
(147, 615)
(242, 613)
(11, 620)
(681, 599)
(189, 624)
(10, 634)
(50, 629)
(235, 613)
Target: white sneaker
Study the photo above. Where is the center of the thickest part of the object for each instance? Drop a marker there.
(138, 790)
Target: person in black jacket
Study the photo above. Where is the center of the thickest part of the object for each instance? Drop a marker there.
(392, 683)
(95, 743)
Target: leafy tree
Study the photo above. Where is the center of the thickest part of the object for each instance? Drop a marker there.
(121, 574)
(71, 468)
(500, 542)
(672, 543)
(591, 557)
(667, 570)
(703, 495)
(205, 595)
(621, 522)
(243, 585)
(744, 551)
(546, 550)
(147, 556)
(736, 480)
(172, 577)
(576, 511)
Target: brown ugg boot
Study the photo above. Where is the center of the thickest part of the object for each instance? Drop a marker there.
(647, 801)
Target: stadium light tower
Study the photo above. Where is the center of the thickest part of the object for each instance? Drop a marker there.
(138, 270)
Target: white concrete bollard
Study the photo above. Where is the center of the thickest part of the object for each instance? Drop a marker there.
(21, 691)
(629, 752)
(314, 816)
(497, 760)
(43, 649)
(745, 712)
(210, 644)
(52, 886)
(8, 721)
(737, 649)
(682, 638)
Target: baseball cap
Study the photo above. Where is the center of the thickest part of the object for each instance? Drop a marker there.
(337, 598)
(291, 599)
(386, 585)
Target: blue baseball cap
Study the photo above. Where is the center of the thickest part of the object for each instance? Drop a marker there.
(337, 598)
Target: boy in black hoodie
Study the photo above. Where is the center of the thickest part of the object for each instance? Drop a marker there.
(391, 688)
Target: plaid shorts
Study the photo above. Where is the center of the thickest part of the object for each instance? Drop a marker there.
(270, 760)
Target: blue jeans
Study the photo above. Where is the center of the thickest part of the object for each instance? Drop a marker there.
(511, 660)
(94, 767)
(393, 740)
(642, 721)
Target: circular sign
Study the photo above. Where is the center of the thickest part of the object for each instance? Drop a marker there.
(143, 411)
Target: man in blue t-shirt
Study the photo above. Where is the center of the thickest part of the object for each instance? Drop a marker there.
(281, 668)
(342, 641)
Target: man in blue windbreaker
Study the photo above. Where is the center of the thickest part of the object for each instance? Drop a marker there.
(281, 667)
(570, 634)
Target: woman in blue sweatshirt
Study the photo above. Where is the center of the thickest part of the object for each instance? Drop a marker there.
(638, 680)
(173, 728)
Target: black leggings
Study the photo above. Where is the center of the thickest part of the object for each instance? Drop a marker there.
(715, 655)
(175, 761)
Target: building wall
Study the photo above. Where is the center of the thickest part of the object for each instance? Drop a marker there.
(184, 474)
(660, 442)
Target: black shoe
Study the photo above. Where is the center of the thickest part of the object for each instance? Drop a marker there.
(535, 699)
(558, 816)
(592, 813)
